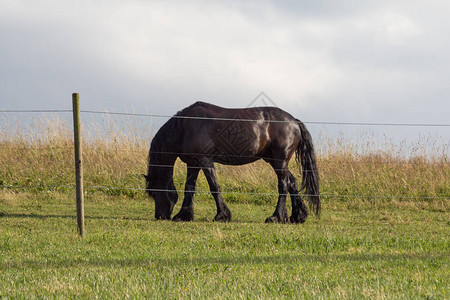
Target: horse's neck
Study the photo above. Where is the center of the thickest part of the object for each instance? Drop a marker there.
(165, 158)
(161, 165)
(163, 150)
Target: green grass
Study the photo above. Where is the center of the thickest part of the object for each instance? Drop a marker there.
(383, 252)
(393, 246)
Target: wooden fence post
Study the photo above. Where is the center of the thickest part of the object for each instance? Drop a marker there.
(78, 163)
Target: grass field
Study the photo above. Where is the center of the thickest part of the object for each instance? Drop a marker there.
(395, 245)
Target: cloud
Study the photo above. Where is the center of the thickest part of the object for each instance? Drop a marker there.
(317, 59)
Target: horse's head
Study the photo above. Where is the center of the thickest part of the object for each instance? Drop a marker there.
(159, 178)
(163, 191)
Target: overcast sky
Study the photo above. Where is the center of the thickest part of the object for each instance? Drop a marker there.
(344, 61)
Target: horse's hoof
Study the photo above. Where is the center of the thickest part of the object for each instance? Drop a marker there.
(184, 215)
(224, 216)
(272, 219)
(276, 219)
(297, 219)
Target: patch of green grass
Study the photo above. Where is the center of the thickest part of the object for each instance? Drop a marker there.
(392, 251)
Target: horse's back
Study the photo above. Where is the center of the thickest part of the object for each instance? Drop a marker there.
(237, 135)
(207, 110)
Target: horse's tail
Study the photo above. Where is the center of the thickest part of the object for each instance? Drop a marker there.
(305, 156)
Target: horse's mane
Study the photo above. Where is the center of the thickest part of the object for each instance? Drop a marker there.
(162, 139)
(170, 133)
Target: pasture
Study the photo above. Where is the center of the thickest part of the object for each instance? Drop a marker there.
(395, 245)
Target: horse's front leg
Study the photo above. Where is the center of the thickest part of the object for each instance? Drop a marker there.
(187, 209)
(280, 215)
(223, 213)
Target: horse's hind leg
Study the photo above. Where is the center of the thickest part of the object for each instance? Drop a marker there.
(223, 213)
(280, 215)
(187, 210)
(299, 211)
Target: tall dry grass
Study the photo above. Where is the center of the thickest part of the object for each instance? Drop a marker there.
(39, 154)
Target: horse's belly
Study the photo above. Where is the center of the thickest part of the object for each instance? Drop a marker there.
(234, 160)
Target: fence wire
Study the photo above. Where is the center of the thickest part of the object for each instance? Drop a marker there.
(325, 160)
(224, 119)
(98, 187)
(267, 121)
(36, 110)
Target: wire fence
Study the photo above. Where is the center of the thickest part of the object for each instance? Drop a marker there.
(95, 187)
(227, 119)
(375, 161)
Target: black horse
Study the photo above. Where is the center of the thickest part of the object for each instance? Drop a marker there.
(203, 134)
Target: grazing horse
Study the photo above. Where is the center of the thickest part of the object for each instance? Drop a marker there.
(203, 134)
